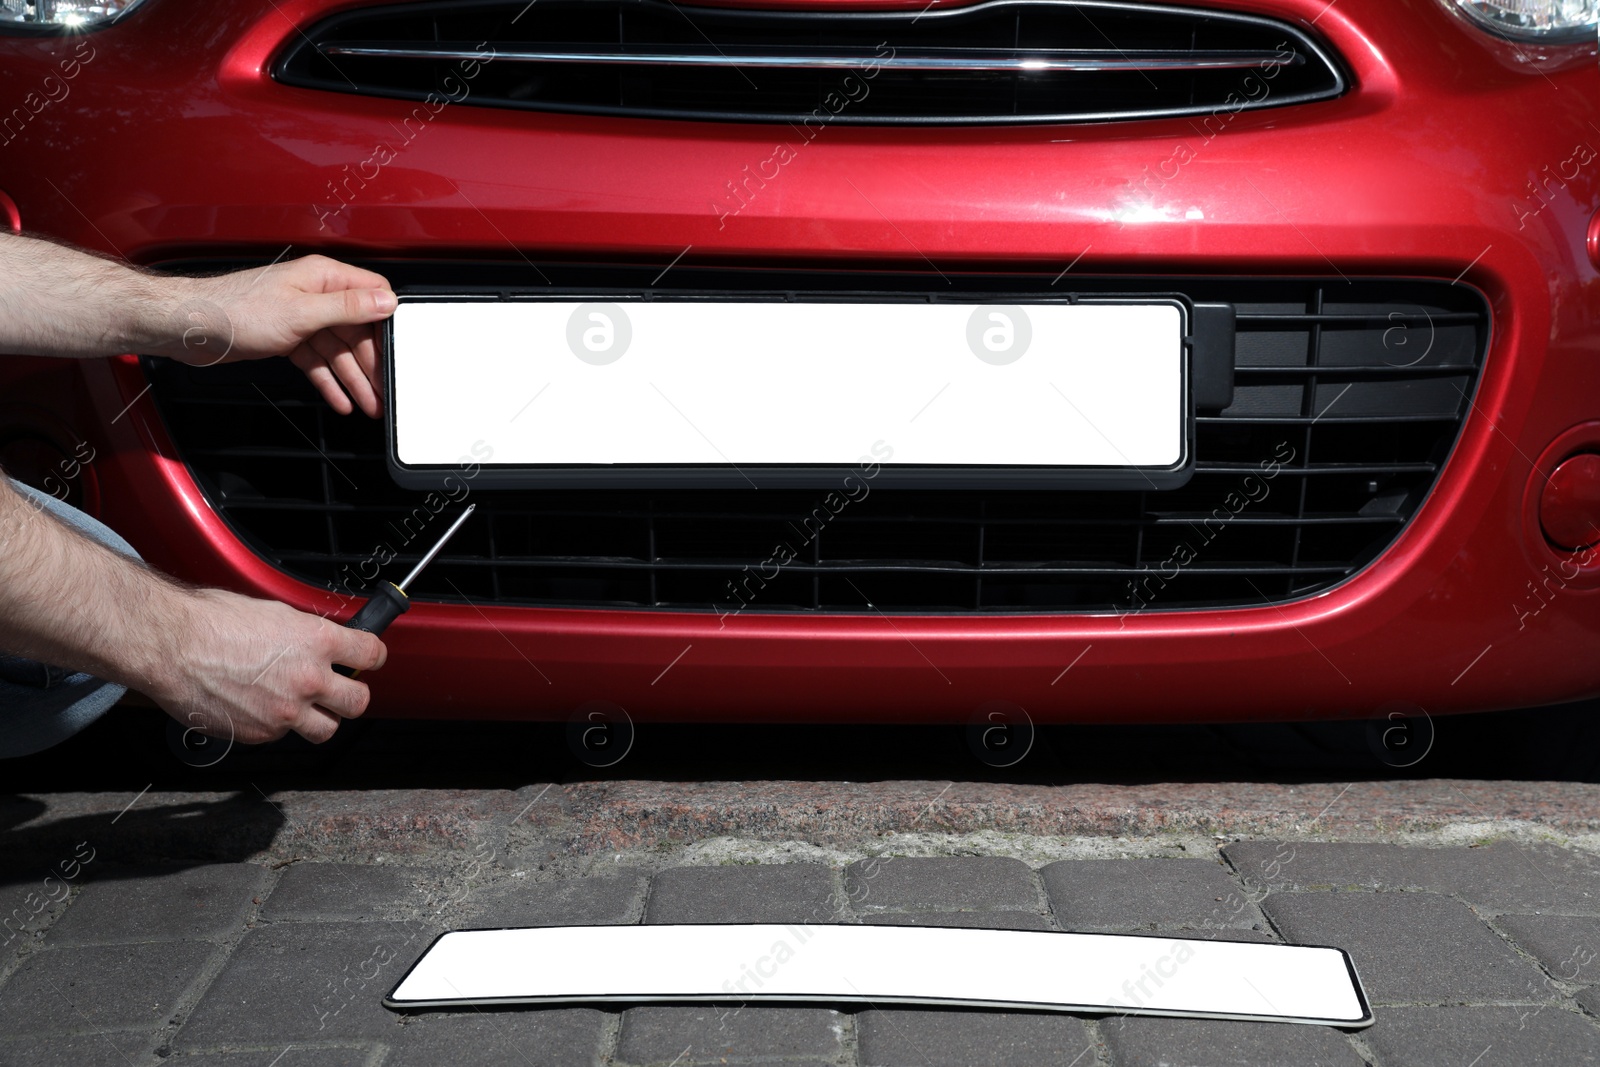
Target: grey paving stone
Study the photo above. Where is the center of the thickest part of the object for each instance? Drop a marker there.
(977, 883)
(755, 893)
(1146, 894)
(1484, 1037)
(1290, 865)
(1260, 937)
(1502, 875)
(287, 1056)
(313, 981)
(1567, 946)
(1410, 947)
(945, 1038)
(344, 891)
(209, 901)
(29, 900)
(519, 1038)
(1143, 1042)
(720, 1033)
(99, 987)
(116, 1049)
(983, 920)
(514, 901)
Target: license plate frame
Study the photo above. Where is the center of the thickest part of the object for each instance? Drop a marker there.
(476, 460)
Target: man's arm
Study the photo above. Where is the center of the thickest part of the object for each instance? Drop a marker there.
(228, 664)
(60, 301)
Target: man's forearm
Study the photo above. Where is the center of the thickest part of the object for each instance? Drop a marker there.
(227, 664)
(249, 668)
(58, 301)
(71, 602)
(318, 312)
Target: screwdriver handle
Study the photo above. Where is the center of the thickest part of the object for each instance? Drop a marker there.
(387, 604)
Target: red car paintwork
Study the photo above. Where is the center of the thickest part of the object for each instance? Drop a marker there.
(174, 141)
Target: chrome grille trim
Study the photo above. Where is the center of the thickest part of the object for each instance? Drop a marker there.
(1000, 62)
(976, 59)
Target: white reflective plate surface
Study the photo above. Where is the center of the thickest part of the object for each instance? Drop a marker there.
(888, 964)
(746, 383)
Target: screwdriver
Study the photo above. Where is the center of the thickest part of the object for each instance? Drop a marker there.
(390, 602)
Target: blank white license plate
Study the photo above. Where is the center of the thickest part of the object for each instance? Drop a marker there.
(774, 392)
(1117, 973)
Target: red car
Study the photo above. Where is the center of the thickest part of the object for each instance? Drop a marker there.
(1371, 224)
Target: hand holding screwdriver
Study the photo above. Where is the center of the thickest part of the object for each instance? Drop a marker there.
(390, 601)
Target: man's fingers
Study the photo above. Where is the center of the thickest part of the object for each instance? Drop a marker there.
(344, 697)
(321, 376)
(318, 311)
(316, 725)
(336, 353)
(356, 648)
(356, 383)
(362, 341)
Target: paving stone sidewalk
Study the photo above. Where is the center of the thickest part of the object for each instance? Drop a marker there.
(1479, 954)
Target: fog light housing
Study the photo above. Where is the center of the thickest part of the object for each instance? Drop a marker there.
(1569, 505)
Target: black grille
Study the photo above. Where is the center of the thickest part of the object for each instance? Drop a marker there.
(999, 62)
(1348, 398)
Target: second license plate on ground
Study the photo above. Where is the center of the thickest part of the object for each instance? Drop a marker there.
(614, 392)
(861, 963)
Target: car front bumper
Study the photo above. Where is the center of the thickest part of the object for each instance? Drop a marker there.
(1438, 165)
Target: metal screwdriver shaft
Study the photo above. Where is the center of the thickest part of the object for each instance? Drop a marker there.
(390, 601)
(437, 545)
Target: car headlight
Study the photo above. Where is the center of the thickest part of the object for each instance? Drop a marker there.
(1534, 20)
(74, 13)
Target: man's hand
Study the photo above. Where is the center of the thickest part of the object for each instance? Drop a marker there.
(315, 310)
(61, 301)
(253, 670)
(231, 665)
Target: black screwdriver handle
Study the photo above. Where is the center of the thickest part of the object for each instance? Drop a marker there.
(386, 605)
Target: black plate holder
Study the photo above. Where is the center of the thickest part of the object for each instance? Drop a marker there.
(1208, 330)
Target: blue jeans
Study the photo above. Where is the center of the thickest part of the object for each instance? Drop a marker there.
(42, 705)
